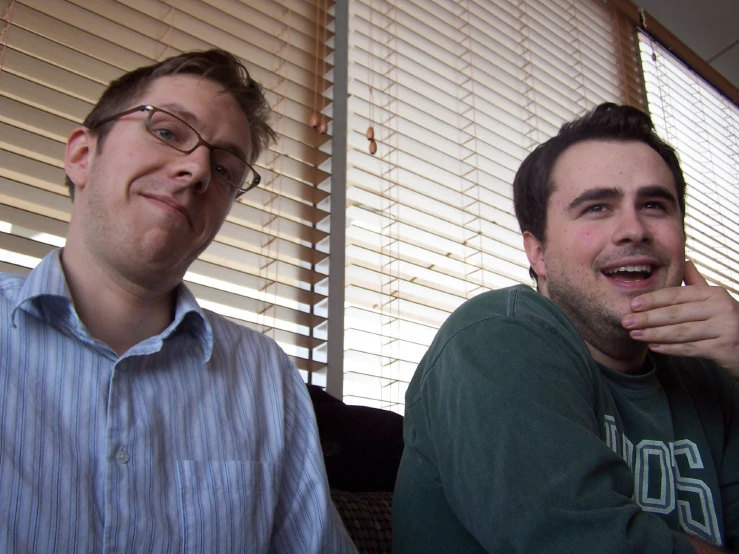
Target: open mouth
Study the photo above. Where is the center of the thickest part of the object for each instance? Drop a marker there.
(630, 272)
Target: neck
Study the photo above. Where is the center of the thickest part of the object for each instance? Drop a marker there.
(114, 310)
(608, 342)
(631, 364)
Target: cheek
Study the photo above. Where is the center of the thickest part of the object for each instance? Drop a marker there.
(585, 242)
(671, 238)
(214, 215)
(138, 158)
(126, 168)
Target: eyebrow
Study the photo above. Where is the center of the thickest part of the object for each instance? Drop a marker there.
(649, 191)
(180, 111)
(183, 113)
(595, 194)
(658, 191)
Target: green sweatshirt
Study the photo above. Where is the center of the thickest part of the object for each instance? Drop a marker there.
(516, 440)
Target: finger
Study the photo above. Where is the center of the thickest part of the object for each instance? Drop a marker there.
(676, 334)
(670, 315)
(708, 349)
(687, 349)
(669, 297)
(693, 276)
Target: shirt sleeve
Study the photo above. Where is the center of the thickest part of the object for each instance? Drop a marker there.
(730, 466)
(306, 520)
(506, 415)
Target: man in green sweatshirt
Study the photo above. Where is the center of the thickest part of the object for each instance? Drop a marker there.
(601, 413)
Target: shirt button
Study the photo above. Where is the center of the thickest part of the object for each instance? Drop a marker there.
(122, 457)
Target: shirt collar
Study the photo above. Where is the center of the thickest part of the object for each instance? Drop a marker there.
(45, 282)
(46, 296)
(189, 316)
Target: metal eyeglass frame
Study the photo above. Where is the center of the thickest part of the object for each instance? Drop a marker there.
(151, 110)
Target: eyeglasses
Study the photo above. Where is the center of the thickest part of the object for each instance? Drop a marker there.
(176, 133)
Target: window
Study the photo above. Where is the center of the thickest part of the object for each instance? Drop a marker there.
(703, 126)
(263, 268)
(457, 94)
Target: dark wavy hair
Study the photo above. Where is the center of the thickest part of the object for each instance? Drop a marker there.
(533, 185)
(217, 65)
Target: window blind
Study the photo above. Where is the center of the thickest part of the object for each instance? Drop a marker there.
(457, 93)
(703, 126)
(264, 269)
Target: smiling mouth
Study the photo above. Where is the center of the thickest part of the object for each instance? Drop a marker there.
(169, 207)
(630, 272)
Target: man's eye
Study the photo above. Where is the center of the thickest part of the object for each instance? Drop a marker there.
(222, 171)
(656, 206)
(165, 134)
(596, 208)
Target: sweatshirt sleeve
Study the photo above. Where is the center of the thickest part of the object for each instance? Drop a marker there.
(505, 415)
(730, 465)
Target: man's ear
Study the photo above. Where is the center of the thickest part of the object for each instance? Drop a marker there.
(535, 253)
(78, 156)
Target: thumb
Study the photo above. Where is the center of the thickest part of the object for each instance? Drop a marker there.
(693, 276)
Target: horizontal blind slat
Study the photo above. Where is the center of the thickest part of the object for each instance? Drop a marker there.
(264, 267)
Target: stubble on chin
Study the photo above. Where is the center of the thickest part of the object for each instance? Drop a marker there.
(598, 324)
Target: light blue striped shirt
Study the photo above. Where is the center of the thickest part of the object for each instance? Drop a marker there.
(201, 439)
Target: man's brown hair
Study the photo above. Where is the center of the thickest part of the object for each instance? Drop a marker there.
(217, 65)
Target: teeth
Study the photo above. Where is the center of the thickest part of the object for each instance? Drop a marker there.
(631, 269)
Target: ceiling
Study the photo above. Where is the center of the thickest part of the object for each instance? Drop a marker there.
(708, 27)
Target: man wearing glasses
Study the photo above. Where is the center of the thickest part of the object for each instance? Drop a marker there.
(131, 420)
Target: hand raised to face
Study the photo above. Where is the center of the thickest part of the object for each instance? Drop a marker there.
(696, 320)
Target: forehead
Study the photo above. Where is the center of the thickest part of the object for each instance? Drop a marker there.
(214, 113)
(623, 165)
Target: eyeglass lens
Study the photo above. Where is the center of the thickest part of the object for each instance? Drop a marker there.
(174, 132)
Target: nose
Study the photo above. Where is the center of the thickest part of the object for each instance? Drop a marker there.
(193, 169)
(631, 228)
